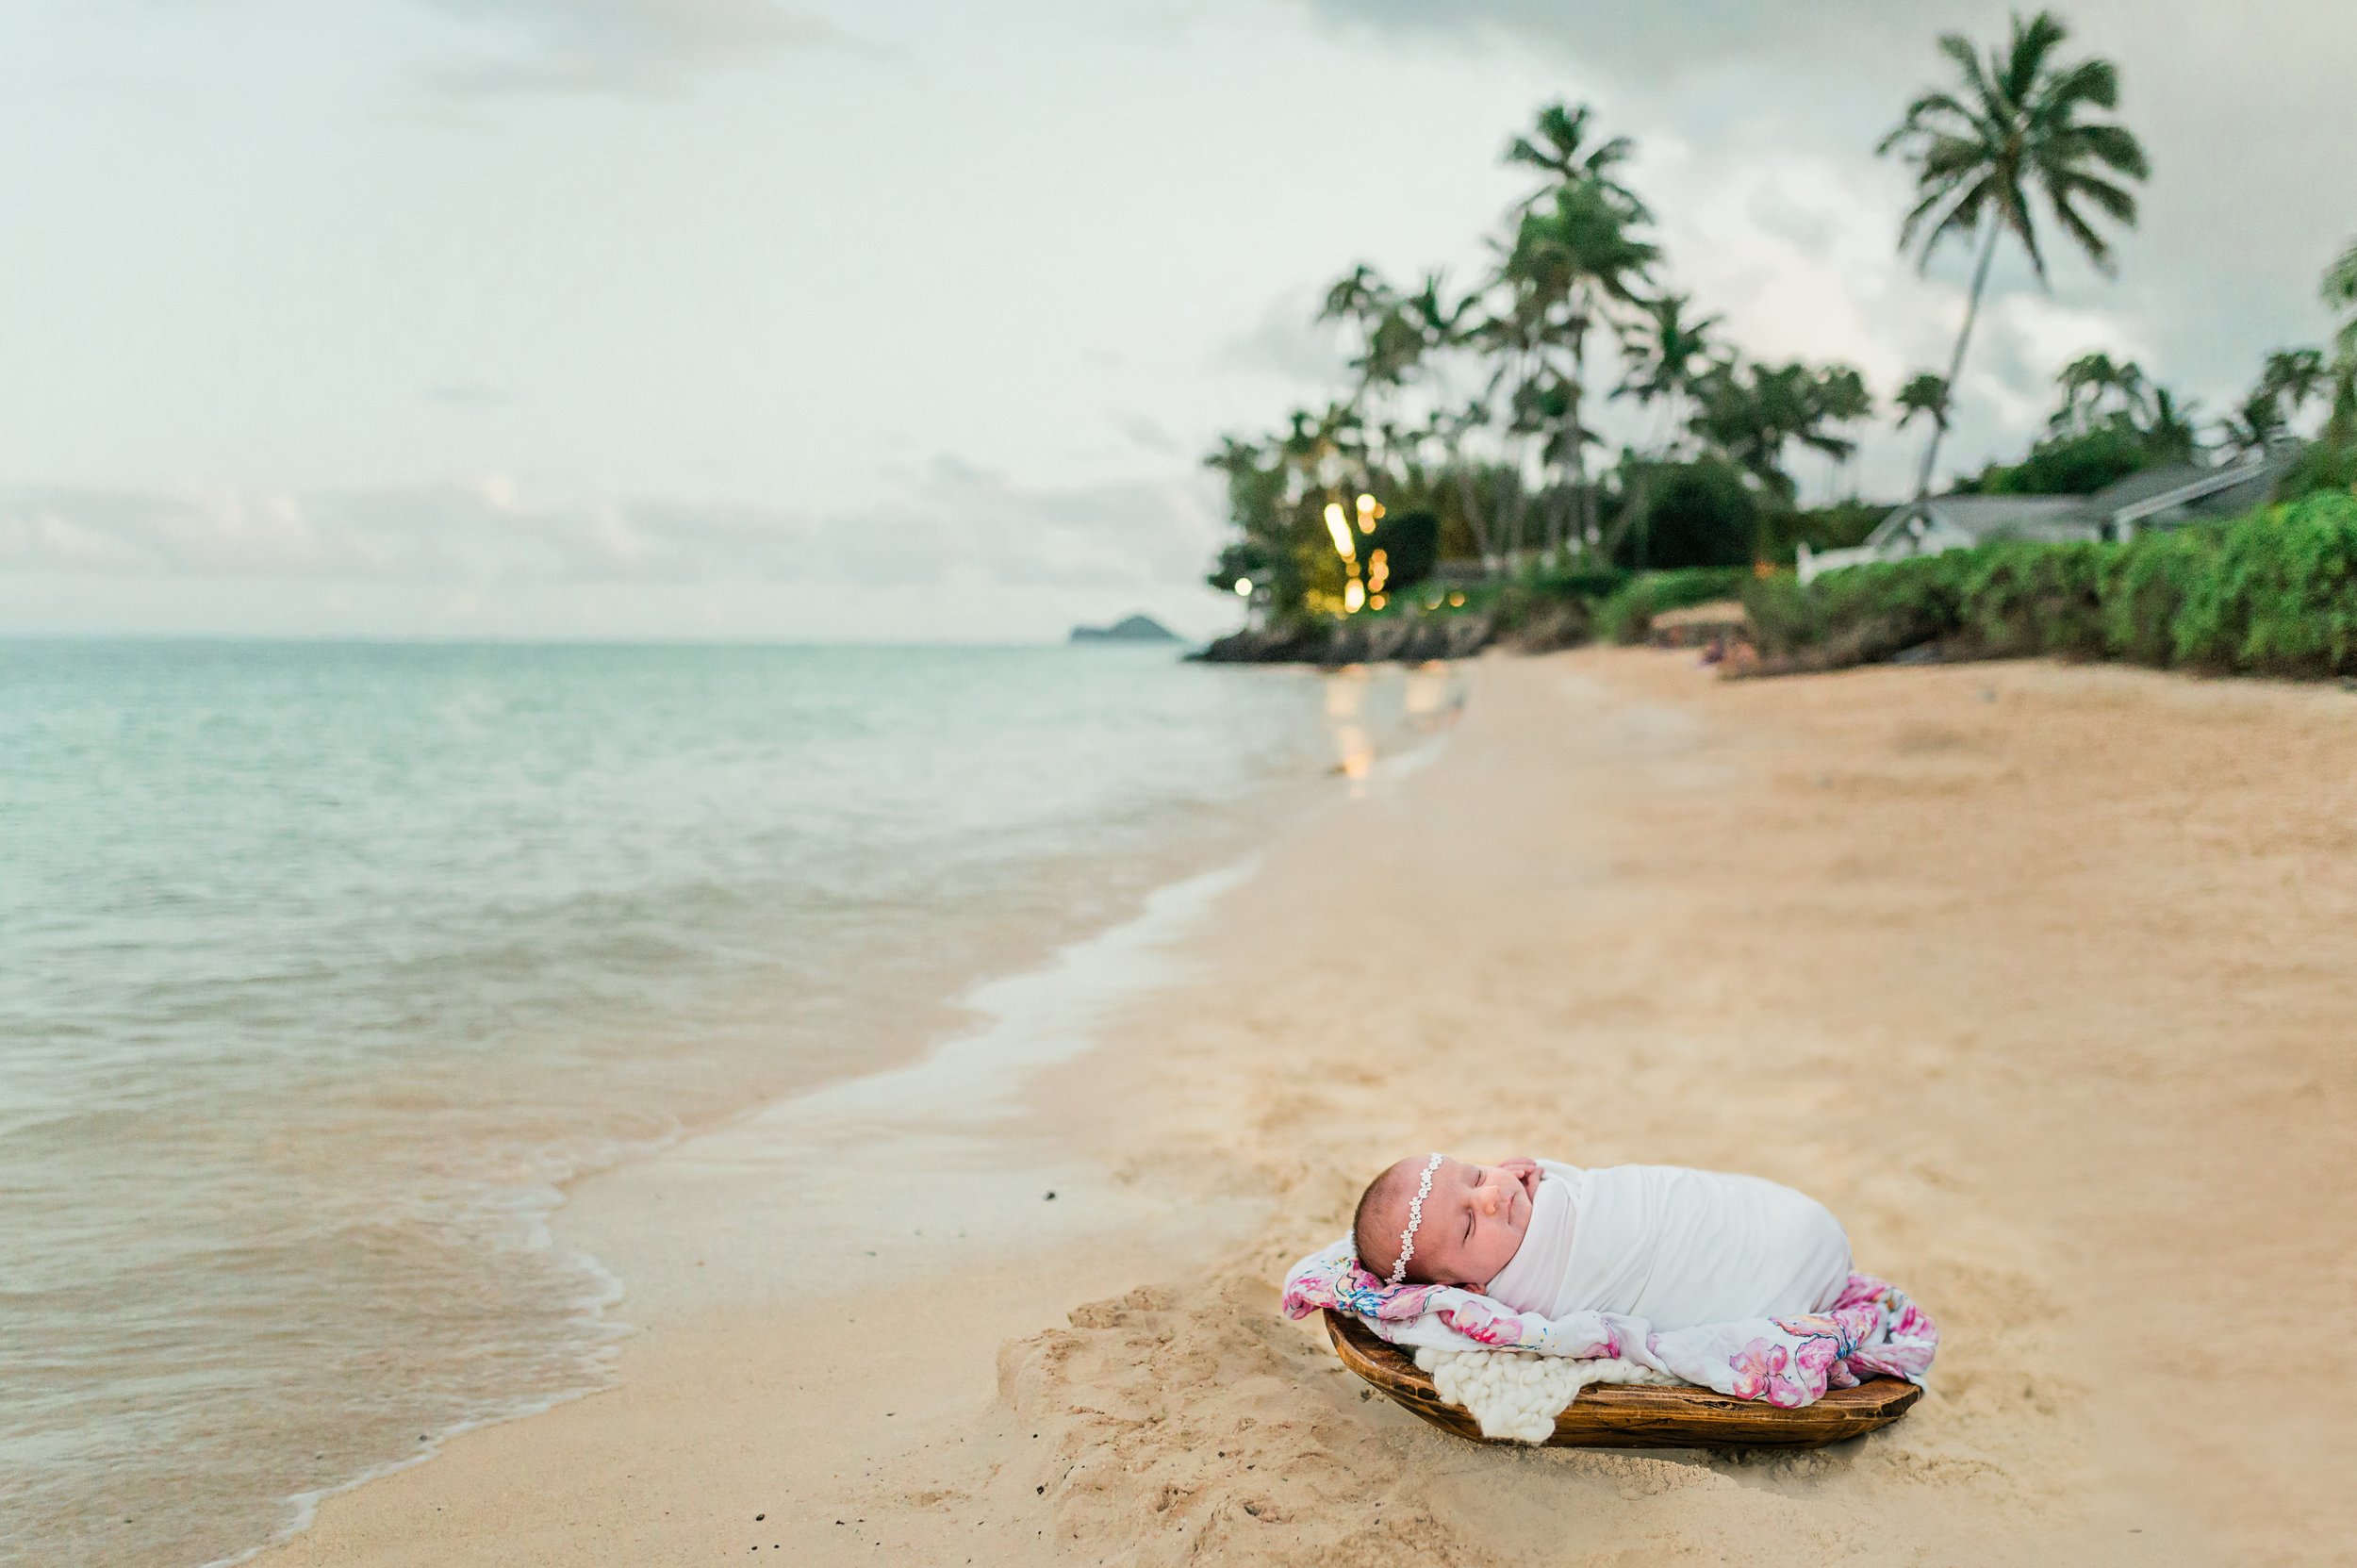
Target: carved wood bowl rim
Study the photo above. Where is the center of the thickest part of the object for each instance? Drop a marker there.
(1635, 1416)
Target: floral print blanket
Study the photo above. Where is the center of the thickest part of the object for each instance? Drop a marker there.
(1872, 1329)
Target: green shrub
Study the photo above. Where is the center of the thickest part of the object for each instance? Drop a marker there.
(1888, 609)
(1411, 542)
(1577, 583)
(1782, 614)
(2281, 596)
(2023, 598)
(2274, 591)
(1627, 613)
(2144, 591)
(1689, 514)
(2329, 464)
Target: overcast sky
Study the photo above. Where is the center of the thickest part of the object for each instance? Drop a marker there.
(734, 319)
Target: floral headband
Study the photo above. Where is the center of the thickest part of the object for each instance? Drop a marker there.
(1416, 1217)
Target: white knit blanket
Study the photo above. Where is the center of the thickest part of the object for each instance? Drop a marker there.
(1518, 1394)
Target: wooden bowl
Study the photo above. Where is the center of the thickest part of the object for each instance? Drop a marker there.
(1610, 1415)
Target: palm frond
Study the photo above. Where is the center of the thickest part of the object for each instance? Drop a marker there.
(2117, 201)
(2026, 53)
(2013, 210)
(2098, 249)
(2340, 279)
(2090, 81)
(2113, 146)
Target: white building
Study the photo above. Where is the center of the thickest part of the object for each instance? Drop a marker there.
(2158, 498)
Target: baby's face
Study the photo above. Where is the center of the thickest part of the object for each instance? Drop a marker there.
(1473, 1222)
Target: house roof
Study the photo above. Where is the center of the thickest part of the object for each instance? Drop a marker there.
(2171, 491)
(2144, 487)
(2226, 487)
(1983, 517)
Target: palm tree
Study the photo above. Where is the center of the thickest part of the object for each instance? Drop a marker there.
(2293, 376)
(1665, 354)
(1665, 357)
(2020, 123)
(1924, 396)
(1575, 261)
(2255, 427)
(1562, 153)
(2170, 429)
(2087, 380)
(1837, 396)
(1752, 412)
(2340, 291)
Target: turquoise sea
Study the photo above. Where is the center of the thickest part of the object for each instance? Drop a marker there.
(323, 967)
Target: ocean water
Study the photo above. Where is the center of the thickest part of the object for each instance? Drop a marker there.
(323, 967)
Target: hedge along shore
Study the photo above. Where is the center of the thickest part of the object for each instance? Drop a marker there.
(2040, 975)
(2273, 592)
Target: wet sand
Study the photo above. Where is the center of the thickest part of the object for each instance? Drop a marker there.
(2043, 977)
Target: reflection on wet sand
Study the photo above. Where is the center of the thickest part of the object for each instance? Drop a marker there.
(1363, 702)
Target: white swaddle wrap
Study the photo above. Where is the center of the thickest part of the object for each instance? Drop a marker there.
(1675, 1247)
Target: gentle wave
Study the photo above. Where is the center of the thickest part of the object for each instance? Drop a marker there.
(327, 967)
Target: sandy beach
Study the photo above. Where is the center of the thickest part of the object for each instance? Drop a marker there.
(2041, 977)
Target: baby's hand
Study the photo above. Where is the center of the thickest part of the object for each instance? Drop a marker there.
(1525, 1170)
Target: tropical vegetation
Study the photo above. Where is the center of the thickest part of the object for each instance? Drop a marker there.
(2271, 592)
(1464, 467)
(1473, 409)
(2020, 122)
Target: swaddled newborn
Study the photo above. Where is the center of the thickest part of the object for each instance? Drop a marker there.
(1678, 1247)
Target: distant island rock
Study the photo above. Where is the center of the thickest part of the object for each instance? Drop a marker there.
(1136, 628)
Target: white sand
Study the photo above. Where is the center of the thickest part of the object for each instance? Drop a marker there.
(2044, 979)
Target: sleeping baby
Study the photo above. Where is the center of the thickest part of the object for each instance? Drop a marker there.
(1677, 1247)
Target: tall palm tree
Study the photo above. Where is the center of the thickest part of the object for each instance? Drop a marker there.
(1665, 356)
(1575, 261)
(1396, 336)
(1445, 322)
(1560, 151)
(2018, 122)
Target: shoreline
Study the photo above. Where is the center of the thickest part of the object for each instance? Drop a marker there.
(970, 1073)
(1928, 944)
(1012, 1027)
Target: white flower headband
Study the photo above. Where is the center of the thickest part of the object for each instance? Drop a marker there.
(1416, 1217)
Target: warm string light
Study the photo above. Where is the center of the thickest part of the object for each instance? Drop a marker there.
(1359, 592)
(1341, 530)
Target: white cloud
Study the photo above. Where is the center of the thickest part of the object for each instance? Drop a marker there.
(1285, 342)
(1756, 127)
(627, 47)
(475, 548)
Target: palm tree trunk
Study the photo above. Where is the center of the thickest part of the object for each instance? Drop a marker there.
(1517, 507)
(1955, 361)
(1470, 497)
